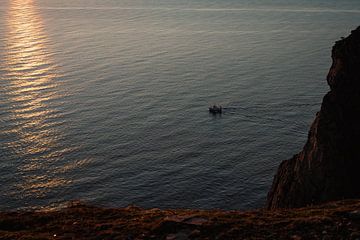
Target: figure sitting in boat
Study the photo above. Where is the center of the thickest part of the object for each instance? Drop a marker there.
(215, 109)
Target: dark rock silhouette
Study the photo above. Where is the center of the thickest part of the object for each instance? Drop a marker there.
(328, 167)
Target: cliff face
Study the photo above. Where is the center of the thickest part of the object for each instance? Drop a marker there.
(328, 167)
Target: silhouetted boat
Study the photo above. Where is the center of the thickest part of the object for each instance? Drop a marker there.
(215, 109)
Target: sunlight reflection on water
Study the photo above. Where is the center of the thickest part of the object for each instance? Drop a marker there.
(31, 85)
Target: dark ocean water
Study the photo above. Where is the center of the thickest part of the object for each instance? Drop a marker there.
(106, 101)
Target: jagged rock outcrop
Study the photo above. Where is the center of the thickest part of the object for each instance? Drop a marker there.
(328, 167)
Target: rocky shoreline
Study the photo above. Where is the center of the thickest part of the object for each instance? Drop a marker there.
(334, 220)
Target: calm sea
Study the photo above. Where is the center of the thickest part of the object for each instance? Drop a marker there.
(107, 101)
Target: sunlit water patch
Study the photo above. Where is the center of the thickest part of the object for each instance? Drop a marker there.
(31, 135)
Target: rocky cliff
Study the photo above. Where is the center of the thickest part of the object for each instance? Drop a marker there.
(328, 167)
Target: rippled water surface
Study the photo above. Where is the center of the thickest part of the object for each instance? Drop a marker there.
(106, 101)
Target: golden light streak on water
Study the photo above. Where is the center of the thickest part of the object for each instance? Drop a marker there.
(31, 85)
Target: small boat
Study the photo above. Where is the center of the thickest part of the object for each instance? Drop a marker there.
(215, 109)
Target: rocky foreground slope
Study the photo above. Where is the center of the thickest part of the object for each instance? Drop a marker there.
(328, 167)
(336, 220)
